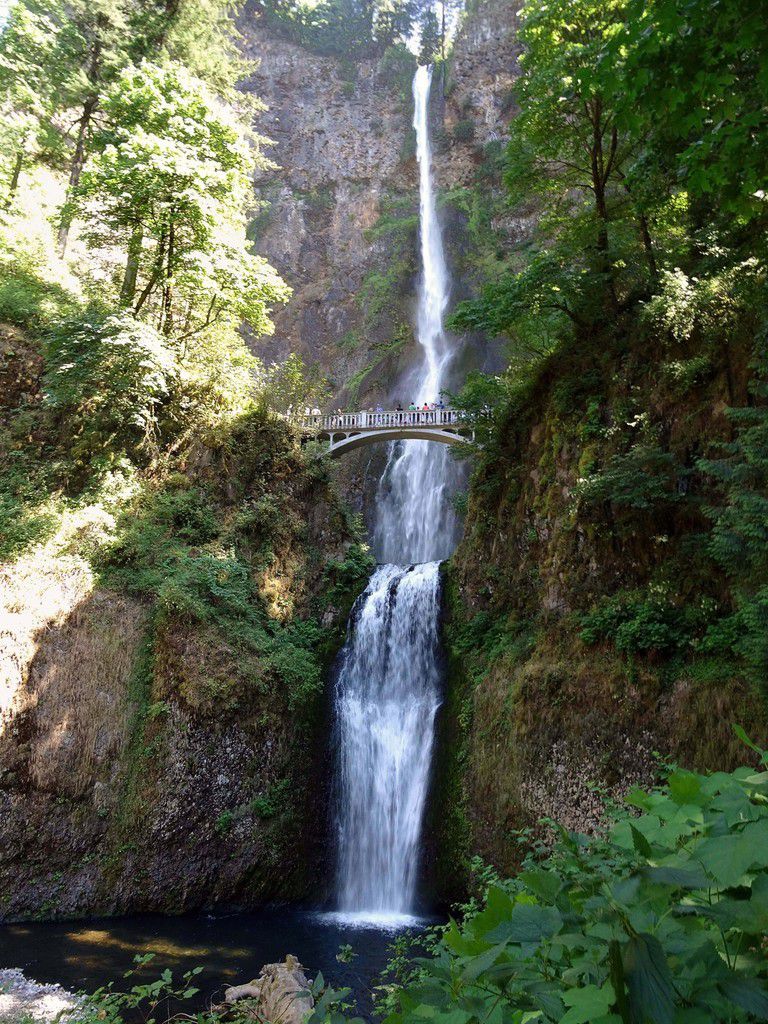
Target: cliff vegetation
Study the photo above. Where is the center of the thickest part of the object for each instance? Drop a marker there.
(176, 570)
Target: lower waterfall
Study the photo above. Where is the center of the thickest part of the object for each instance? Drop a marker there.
(386, 698)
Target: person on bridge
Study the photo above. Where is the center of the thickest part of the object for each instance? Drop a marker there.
(412, 407)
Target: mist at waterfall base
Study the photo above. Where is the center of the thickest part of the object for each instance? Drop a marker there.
(389, 682)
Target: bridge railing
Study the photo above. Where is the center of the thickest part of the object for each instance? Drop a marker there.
(390, 418)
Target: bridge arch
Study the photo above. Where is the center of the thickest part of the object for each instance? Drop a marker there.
(340, 443)
(345, 432)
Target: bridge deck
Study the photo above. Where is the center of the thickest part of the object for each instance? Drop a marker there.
(386, 420)
(345, 431)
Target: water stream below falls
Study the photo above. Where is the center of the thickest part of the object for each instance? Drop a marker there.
(388, 683)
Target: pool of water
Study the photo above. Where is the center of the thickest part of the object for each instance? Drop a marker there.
(231, 948)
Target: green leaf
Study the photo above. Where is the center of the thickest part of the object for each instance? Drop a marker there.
(748, 993)
(649, 983)
(640, 843)
(741, 733)
(587, 1003)
(478, 964)
(684, 787)
(727, 857)
(680, 878)
(544, 884)
(527, 923)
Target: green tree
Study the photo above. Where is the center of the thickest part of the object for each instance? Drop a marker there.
(692, 79)
(429, 38)
(170, 186)
(569, 151)
(30, 78)
(292, 386)
(57, 60)
(739, 539)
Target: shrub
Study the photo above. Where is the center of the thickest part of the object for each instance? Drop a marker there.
(639, 622)
(659, 921)
(643, 478)
(108, 377)
(739, 538)
(464, 131)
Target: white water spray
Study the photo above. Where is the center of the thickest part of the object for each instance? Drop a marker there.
(388, 685)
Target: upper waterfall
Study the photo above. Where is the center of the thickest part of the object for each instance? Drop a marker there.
(415, 521)
(434, 285)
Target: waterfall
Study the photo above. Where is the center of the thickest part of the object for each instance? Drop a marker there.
(388, 684)
(415, 520)
(387, 699)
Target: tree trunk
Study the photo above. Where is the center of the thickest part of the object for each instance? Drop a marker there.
(645, 233)
(599, 178)
(154, 276)
(128, 288)
(78, 162)
(650, 256)
(93, 73)
(168, 290)
(14, 183)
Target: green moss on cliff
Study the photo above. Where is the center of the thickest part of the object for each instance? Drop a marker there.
(589, 622)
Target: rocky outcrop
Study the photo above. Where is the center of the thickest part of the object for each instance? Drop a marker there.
(24, 1000)
(480, 83)
(543, 717)
(150, 758)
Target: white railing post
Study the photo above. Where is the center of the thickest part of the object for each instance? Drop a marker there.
(385, 420)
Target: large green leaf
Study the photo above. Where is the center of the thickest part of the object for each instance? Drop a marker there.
(678, 877)
(544, 884)
(748, 993)
(476, 965)
(588, 1003)
(527, 923)
(728, 857)
(684, 787)
(649, 982)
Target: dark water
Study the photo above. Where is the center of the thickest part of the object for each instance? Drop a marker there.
(83, 955)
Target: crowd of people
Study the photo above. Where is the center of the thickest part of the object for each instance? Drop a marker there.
(378, 416)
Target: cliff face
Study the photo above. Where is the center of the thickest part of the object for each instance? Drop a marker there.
(162, 719)
(339, 132)
(551, 702)
(339, 219)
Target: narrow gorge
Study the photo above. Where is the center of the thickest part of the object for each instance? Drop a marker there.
(383, 503)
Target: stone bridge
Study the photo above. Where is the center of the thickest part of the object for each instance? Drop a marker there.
(346, 431)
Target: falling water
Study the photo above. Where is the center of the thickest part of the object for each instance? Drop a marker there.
(388, 684)
(387, 699)
(415, 520)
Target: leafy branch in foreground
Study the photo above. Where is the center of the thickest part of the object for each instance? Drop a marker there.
(660, 920)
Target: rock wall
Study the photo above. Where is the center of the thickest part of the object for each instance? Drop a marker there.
(339, 132)
(150, 759)
(541, 721)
